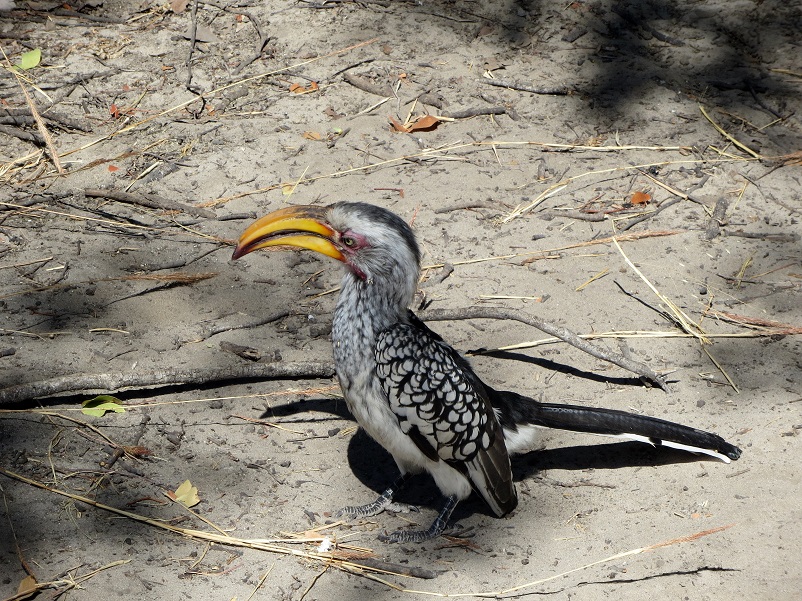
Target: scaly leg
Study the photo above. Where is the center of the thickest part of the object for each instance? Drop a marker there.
(384, 501)
(435, 530)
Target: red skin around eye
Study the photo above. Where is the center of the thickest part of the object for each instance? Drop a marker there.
(360, 242)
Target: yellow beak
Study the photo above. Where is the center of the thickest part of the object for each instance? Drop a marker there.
(303, 226)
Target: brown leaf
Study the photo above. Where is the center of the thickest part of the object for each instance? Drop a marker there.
(424, 123)
(640, 198)
(312, 135)
(297, 88)
(138, 451)
(398, 126)
(113, 168)
(27, 585)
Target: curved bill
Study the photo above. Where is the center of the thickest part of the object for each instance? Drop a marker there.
(303, 226)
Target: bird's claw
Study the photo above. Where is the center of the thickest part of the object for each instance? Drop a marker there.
(408, 536)
(402, 508)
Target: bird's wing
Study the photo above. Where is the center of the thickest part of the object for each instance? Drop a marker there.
(443, 406)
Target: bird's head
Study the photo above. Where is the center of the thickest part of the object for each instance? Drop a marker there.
(374, 243)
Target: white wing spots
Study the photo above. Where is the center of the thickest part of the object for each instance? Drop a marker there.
(427, 388)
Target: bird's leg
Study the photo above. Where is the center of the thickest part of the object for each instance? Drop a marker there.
(435, 530)
(384, 501)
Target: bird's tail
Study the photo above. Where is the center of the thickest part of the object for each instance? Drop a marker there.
(518, 414)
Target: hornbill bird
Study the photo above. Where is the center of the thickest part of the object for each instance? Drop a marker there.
(413, 393)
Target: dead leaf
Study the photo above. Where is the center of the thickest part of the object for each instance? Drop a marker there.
(113, 168)
(312, 135)
(640, 198)
(178, 6)
(186, 494)
(115, 111)
(138, 451)
(424, 123)
(27, 585)
(398, 126)
(297, 88)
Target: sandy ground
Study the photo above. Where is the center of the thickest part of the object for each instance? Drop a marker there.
(98, 285)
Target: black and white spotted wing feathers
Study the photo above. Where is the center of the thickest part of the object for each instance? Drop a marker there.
(444, 408)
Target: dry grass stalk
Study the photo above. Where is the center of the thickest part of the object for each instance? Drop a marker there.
(601, 274)
(177, 278)
(331, 558)
(770, 327)
(436, 153)
(644, 334)
(516, 591)
(65, 584)
(221, 89)
(551, 253)
(720, 130)
(40, 124)
(680, 318)
(278, 546)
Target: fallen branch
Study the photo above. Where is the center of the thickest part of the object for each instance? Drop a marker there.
(475, 112)
(562, 333)
(366, 85)
(110, 382)
(514, 85)
(149, 200)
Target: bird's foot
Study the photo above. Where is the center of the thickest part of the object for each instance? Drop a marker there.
(419, 536)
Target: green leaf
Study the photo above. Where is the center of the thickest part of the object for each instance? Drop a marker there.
(30, 59)
(100, 405)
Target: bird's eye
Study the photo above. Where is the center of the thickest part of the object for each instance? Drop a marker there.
(348, 241)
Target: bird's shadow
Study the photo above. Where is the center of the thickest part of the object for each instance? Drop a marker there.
(555, 367)
(375, 468)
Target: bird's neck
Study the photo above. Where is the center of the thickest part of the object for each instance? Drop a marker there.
(374, 303)
(365, 308)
